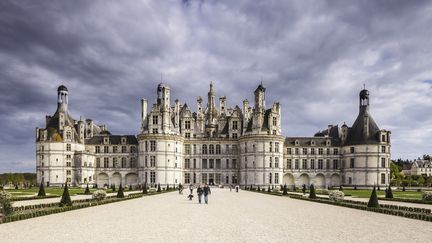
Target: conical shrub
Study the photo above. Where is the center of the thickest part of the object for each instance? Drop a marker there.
(268, 189)
(373, 200)
(87, 190)
(65, 200)
(130, 187)
(312, 193)
(41, 192)
(159, 188)
(389, 193)
(145, 188)
(285, 190)
(120, 193)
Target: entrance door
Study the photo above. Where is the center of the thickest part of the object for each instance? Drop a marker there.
(211, 182)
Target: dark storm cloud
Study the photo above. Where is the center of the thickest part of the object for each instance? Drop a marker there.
(312, 56)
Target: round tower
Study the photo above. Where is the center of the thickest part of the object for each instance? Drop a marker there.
(62, 98)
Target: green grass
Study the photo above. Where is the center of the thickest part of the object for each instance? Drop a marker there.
(396, 194)
(48, 191)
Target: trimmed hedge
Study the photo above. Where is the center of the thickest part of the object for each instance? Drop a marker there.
(32, 198)
(402, 211)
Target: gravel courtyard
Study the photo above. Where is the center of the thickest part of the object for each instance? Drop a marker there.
(230, 217)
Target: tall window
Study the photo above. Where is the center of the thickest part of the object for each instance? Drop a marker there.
(204, 164)
(289, 163)
(304, 164)
(352, 150)
(383, 149)
(123, 148)
(115, 165)
(270, 178)
(297, 151)
(155, 120)
(187, 149)
(105, 162)
(68, 135)
(271, 162)
(187, 178)
(98, 162)
(218, 163)
(187, 125)
(123, 162)
(352, 161)
(276, 162)
(313, 151)
(204, 178)
(383, 178)
(218, 149)
(312, 164)
(335, 164)
(106, 149)
(204, 149)
(152, 177)
(276, 180)
(115, 149)
(211, 149)
(296, 164)
(289, 151)
(187, 164)
(194, 163)
(383, 162)
(320, 164)
(271, 147)
(234, 125)
(304, 150)
(97, 149)
(152, 161)
(132, 162)
(152, 146)
(211, 163)
(274, 121)
(320, 151)
(227, 164)
(234, 163)
(276, 147)
(335, 151)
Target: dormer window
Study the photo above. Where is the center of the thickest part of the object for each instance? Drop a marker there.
(296, 142)
(313, 143)
(123, 140)
(106, 140)
(328, 142)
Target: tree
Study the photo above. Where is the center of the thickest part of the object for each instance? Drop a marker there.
(120, 193)
(159, 188)
(285, 190)
(65, 200)
(145, 188)
(389, 193)
(421, 180)
(312, 193)
(373, 200)
(41, 192)
(87, 190)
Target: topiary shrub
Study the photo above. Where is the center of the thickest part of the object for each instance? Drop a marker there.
(145, 188)
(259, 188)
(65, 200)
(120, 193)
(87, 190)
(168, 188)
(427, 196)
(41, 192)
(389, 193)
(99, 195)
(159, 188)
(285, 190)
(268, 189)
(312, 193)
(6, 203)
(336, 195)
(373, 200)
(130, 187)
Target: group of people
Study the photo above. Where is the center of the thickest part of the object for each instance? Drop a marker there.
(205, 190)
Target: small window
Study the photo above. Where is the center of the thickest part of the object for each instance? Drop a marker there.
(352, 150)
(383, 162)
(155, 120)
(383, 149)
(68, 147)
(352, 163)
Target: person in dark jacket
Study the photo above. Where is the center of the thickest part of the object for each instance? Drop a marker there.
(199, 192)
(206, 193)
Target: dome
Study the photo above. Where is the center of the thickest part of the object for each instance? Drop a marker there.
(62, 88)
(364, 93)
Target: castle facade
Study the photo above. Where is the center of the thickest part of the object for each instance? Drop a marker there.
(215, 144)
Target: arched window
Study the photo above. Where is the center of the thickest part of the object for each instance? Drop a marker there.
(204, 149)
(211, 149)
(218, 149)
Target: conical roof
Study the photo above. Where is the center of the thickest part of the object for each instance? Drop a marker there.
(357, 134)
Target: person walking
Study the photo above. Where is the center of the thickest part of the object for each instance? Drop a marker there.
(180, 189)
(237, 188)
(206, 193)
(199, 192)
(191, 188)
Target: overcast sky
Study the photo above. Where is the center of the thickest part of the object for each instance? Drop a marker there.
(312, 56)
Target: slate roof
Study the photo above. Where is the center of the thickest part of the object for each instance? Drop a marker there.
(356, 133)
(307, 141)
(113, 139)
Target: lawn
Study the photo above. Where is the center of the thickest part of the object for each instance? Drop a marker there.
(49, 191)
(396, 194)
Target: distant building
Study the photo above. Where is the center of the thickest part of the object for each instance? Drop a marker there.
(418, 167)
(214, 145)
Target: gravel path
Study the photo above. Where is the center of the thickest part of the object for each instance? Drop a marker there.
(230, 217)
